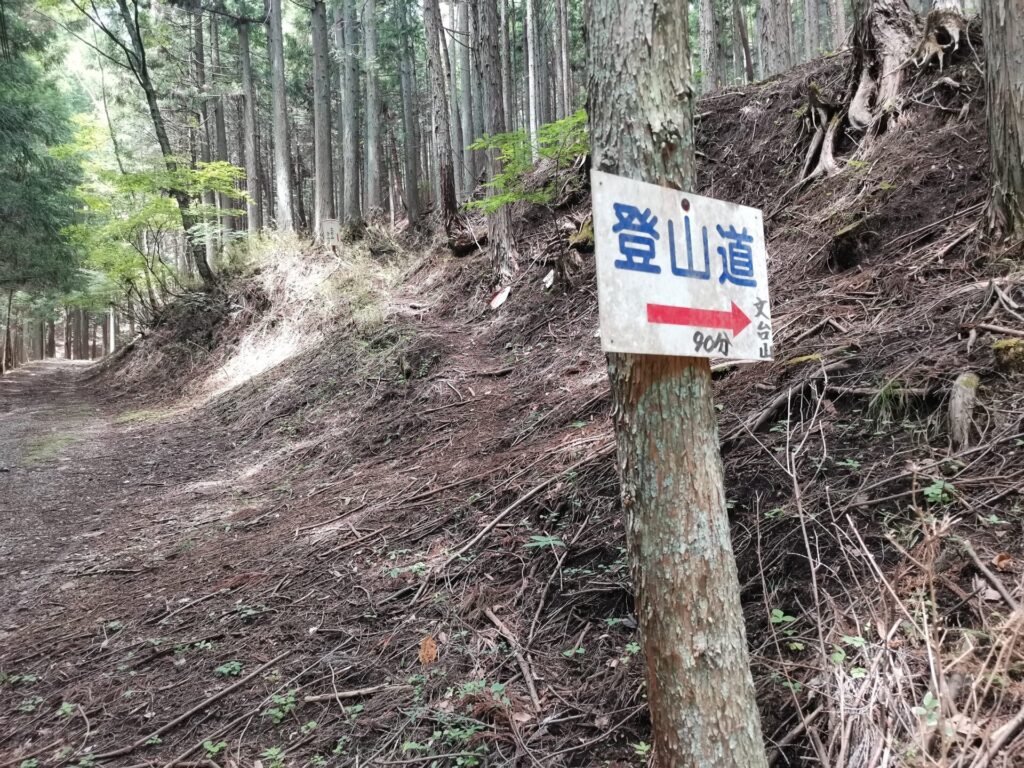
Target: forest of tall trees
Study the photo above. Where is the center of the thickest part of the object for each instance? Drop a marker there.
(205, 122)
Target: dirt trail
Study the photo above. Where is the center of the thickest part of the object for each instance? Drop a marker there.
(73, 488)
(57, 480)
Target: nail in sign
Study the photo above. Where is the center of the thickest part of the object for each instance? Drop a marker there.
(679, 274)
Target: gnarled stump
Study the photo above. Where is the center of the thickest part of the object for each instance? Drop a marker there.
(944, 30)
(882, 46)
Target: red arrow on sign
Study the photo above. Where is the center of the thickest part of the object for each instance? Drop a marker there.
(735, 320)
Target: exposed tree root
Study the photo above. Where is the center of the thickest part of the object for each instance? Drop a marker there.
(882, 46)
(944, 30)
(822, 121)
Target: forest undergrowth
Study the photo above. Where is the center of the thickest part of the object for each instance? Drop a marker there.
(415, 555)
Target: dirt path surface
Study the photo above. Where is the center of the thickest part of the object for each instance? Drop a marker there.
(59, 487)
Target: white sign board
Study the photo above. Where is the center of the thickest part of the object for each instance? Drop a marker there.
(679, 274)
(331, 233)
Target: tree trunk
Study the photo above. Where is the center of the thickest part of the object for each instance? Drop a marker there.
(339, 112)
(699, 687)
(253, 206)
(203, 122)
(812, 23)
(739, 20)
(323, 193)
(282, 145)
(775, 37)
(5, 351)
(543, 82)
(353, 214)
(408, 80)
(565, 51)
(458, 143)
(219, 125)
(51, 339)
(1003, 24)
(69, 350)
(710, 51)
(499, 223)
(531, 80)
(507, 95)
(442, 128)
(837, 10)
(476, 79)
(373, 176)
(466, 71)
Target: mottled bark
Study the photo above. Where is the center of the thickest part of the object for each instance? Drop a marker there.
(837, 10)
(442, 128)
(466, 78)
(776, 42)
(202, 118)
(533, 118)
(699, 687)
(739, 20)
(374, 201)
(712, 66)
(1003, 23)
(507, 94)
(499, 223)
(282, 146)
(220, 130)
(408, 85)
(253, 206)
(323, 156)
(339, 113)
(454, 113)
(353, 217)
(565, 52)
(812, 26)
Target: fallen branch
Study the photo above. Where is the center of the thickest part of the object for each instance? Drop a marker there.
(996, 582)
(513, 642)
(358, 693)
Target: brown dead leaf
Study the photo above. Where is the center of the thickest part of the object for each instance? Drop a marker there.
(428, 650)
(1003, 562)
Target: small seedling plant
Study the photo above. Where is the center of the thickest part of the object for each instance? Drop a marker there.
(284, 705)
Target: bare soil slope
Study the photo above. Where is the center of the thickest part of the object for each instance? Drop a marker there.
(400, 543)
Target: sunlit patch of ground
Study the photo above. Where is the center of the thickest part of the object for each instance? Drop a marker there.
(42, 449)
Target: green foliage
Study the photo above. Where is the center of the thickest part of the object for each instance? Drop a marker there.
(562, 141)
(274, 757)
(284, 705)
(939, 492)
(928, 710)
(212, 750)
(39, 175)
(229, 669)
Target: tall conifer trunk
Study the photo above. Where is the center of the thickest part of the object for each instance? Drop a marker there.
(1003, 22)
(323, 193)
(282, 146)
(374, 201)
(699, 687)
(442, 127)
